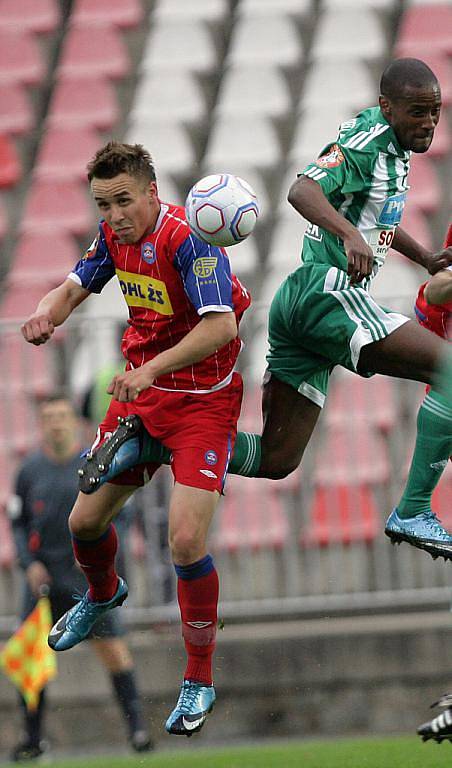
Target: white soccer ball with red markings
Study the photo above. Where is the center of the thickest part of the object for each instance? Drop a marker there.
(222, 209)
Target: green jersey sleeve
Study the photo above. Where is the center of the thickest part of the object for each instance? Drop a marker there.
(339, 168)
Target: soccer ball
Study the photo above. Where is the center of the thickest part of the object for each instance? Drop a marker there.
(221, 209)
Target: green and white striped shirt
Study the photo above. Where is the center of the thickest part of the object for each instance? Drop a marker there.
(363, 174)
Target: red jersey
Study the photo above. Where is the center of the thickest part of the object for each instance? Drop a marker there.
(434, 317)
(169, 279)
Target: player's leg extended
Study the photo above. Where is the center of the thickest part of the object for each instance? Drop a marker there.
(414, 353)
(95, 544)
(191, 511)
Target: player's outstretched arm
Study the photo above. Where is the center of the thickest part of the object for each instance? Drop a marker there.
(307, 197)
(433, 262)
(439, 288)
(53, 310)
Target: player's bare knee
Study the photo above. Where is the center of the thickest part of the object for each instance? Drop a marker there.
(185, 547)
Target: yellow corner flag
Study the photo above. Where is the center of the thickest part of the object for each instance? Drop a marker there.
(26, 658)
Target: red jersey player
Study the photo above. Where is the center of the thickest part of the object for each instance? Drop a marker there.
(181, 348)
(434, 423)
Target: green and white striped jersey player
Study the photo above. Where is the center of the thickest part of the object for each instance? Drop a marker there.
(364, 176)
(323, 315)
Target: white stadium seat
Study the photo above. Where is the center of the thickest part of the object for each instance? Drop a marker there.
(262, 7)
(249, 90)
(177, 44)
(208, 10)
(242, 141)
(377, 4)
(269, 39)
(244, 258)
(314, 129)
(349, 84)
(168, 143)
(176, 97)
(285, 246)
(168, 191)
(345, 33)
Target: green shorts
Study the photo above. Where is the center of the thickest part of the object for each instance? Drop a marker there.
(317, 321)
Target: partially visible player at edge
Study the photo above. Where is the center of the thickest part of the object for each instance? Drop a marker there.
(181, 348)
(353, 195)
(434, 422)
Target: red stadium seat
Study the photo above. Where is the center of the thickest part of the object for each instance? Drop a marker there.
(425, 28)
(353, 454)
(20, 301)
(64, 152)
(42, 257)
(16, 114)
(3, 222)
(20, 58)
(57, 206)
(372, 401)
(10, 169)
(441, 498)
(41, 16)
(79, 103)
(94, 52)
(117, 12)
(7, 545)
(425, 189)
(415, 223)
(30, 369)
(17, 423)
(341, 514)
(440, 146)
(251, 516)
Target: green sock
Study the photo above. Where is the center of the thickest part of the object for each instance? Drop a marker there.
(153, 450)
(444, 379)
(431, 454)
(245, 460)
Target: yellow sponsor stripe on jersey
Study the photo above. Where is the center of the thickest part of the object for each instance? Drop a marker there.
(144, 291)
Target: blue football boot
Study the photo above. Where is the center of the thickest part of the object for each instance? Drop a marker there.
(440, 728)
(116, 454)
(423, 531)
(76, 624)
(193, 705)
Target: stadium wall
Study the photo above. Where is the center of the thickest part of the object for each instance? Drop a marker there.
(357, 675)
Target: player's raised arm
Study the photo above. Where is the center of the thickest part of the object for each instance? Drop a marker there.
(53, 310)
(308, 198)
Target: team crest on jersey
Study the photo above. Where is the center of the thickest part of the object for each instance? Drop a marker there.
(210, 457)
(148, 253)
(92, 248)
(204, 266)
(332, 159)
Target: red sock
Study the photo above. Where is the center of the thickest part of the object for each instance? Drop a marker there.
(198, 601)
(97, 561)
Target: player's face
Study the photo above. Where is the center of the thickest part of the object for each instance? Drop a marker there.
(128, 205)
(58, 424)
(414, 116)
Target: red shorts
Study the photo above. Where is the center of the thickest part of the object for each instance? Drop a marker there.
(199, 430)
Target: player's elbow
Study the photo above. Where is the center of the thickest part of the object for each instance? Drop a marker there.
(297, 192)
(225, 328)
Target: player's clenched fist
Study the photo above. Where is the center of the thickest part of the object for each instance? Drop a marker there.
(38, 329)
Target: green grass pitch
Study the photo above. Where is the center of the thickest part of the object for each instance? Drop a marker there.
(402, 752)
